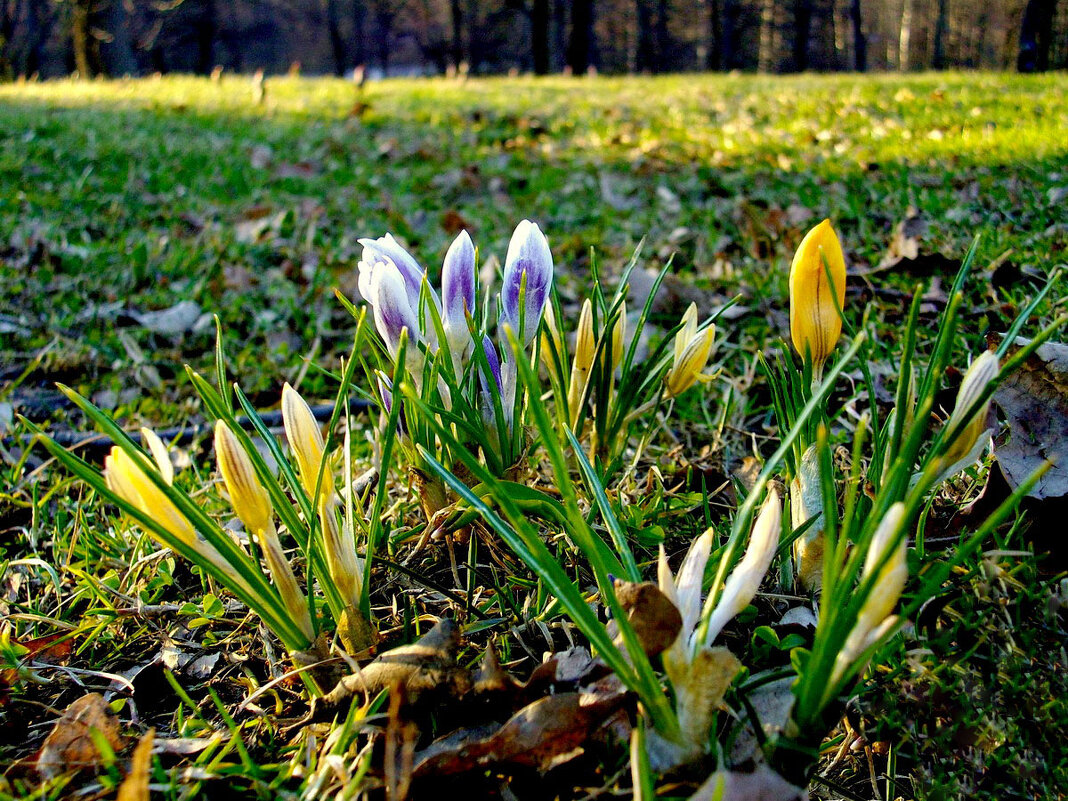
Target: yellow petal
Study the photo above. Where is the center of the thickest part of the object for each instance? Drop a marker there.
(815, 324)
(159, 453)
(247, 495)
(306, 442)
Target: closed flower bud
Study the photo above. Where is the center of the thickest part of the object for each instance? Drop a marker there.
(528, 268)
(585, 350)
(693, 349)
(968, 428)
(306, 442)
(815, 323)
(619, 336)
(745, 579)
(128, 480)
(885, 592)
(458, 297)
(393, 314)
(247, 495)
(386, 250)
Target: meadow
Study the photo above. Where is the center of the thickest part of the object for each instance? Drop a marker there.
(132, 212)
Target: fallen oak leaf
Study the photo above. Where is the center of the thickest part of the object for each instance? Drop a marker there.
(542, 734)
(1034, 399)
(70, 745)
(655, 619)
(763, 784)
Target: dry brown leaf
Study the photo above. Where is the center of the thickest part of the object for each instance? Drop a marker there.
(1035, 401)
(135, 786)
(655, 619)
(426, 666)
(69, 746)
(763, 784)
(542, 735)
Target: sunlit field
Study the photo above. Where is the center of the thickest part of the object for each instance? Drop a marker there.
(140, 219)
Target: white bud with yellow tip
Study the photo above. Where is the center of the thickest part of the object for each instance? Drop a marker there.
(306, 442)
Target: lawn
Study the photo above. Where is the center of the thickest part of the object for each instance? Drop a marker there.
(133, 211)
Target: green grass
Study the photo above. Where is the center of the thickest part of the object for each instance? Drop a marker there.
(126, 197)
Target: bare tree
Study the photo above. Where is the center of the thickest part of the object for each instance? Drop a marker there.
(938, 56)
(580, 44)
(539, 36)
(1036, 33)
(860, 41)
(904, 36)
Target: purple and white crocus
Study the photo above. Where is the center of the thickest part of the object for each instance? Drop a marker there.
(458, 299)
(528, 271)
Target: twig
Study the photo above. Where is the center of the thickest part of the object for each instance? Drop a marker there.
(96, 443)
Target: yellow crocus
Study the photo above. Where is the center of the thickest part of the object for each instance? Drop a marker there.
(875, 617)
(692, 351)
(983, 370)
(252, 505)
(128, 480)
(247, 495)
(306, 442)
(619, 336)
(585, 350)
(815, 322)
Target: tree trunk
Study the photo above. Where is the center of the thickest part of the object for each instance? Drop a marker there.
(904, 37)
(383, 32)
(802, 33)
(860, 42)
(117, 55)
(938, 57)
(714, 59)
(539, 36)
(206, 34)
(559, 50)
(580, 45)
(663, 37)
(730, 28)
(1036, 31)
(79, 37)
(645, 57)
(337, 42)
(359, 33)
(456, 18)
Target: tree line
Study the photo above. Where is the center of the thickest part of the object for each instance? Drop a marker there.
(389, 37)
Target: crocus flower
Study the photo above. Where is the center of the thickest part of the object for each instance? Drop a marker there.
(692, 351)
(386, 250)
(528, 266)
(252, 505)
(968, 429)
(306, 442)
(700, 674)
(874, 617)
(745, 579)
(619, 336)
(815, 324)
(127, 479)
(585, 350)
(394, 314)
(458, 297)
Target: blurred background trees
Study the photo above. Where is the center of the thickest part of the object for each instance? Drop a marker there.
(405, 37)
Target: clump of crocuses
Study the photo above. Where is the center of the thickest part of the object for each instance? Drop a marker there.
(452, 382)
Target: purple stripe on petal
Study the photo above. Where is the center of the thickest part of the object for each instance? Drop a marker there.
(529, 256)
(458, 280)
